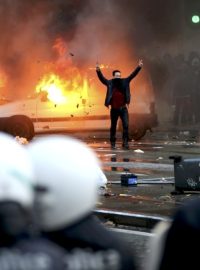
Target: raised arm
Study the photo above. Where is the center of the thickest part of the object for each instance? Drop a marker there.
(136, 71)
(100, 75)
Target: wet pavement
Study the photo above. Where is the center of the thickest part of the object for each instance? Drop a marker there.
(149, 160)
(151, 199)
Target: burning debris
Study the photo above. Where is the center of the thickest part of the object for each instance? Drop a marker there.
(62, 80)
(102, 66)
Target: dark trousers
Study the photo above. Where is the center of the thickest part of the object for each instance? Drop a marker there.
(114, 115)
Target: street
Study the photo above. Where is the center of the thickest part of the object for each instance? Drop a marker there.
(61, 62)
(151, 197)
(149, 160)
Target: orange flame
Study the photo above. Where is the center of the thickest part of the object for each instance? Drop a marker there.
(54, 86)
(102, 66)
(63, 81)
(3, 79)
(61, 91)
(60, 47)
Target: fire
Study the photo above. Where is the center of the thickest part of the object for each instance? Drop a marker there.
(3, 79)
(102, 66)
(61, 90)
(54, 86)
(62, 80)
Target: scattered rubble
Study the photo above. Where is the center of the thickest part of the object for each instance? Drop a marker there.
(21, 140)
(138, 151)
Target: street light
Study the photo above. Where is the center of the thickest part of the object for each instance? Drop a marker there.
(195, 19)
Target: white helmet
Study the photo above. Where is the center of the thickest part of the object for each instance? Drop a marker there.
(69, 170)
(16, 173)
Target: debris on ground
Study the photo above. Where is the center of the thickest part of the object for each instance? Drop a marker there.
(159, 158)
(138, 151)
(21, 140)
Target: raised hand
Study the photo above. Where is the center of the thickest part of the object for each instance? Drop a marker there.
(140, 64)
(97, 66)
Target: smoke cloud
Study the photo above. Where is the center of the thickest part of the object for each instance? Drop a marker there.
(114, 32)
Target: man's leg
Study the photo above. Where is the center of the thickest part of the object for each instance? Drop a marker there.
(125, 122)
(114, 114)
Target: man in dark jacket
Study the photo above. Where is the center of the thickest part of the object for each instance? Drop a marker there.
(118, 97)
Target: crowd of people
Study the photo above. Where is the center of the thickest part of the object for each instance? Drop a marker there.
(176, 81)
(48, 191)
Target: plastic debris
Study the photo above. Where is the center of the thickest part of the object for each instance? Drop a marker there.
(102, 183)
(21, 140)
(124, 195)
(138, 151)
(165, 198)
(108, 194)
(102, 191)
(109, 223)
(99, 203)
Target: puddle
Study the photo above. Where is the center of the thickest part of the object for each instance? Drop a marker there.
(106, 158)
(116, 168)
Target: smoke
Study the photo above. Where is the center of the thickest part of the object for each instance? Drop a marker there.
(114, 32)
(28, 30)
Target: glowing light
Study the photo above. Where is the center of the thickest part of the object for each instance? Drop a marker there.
(3, 79)
(61, 91)
(195, 19)
(54, 86)
(102, 66)
(62, 80)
